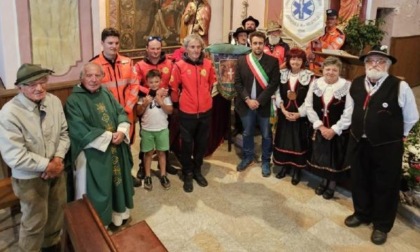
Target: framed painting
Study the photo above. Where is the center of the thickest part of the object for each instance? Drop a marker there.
(138, 19)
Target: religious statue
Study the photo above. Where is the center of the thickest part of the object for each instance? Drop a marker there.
(196, 20)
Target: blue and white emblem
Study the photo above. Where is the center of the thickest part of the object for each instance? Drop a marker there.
(303, 9)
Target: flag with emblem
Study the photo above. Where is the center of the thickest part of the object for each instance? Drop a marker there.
(224, 58)
(303, 20)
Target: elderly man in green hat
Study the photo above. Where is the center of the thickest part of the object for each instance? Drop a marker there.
(33, 143)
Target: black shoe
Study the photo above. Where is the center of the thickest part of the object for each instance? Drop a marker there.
(164, 181)
(328, 194)
(136, 181)
(148, 183)
(171, 170)
(188, 183)
(296, 176)
(354, 221)
(320, 189)
(140, 172)
(378, 237)
(201, 180)
(282, 173)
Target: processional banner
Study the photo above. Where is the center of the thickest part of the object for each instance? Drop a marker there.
(303, 20)
(224, 58)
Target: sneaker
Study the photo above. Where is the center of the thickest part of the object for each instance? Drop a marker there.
(140, 172)
(244, 164)
(266, 171)
(164, 181)
(148, 183)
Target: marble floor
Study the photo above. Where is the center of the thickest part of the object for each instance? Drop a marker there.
(246, 212)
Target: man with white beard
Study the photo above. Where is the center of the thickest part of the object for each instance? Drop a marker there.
(384, 111)
(274, 45)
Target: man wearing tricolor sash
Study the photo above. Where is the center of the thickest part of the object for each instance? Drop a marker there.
(257, 78)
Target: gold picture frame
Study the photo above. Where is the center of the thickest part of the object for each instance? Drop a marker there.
(138, 19)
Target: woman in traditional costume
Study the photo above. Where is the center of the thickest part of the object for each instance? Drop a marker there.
(330, 116)
(291, 142)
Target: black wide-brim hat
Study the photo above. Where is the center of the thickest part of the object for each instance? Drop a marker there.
(240, 30)
(381, 51)
(251, 18)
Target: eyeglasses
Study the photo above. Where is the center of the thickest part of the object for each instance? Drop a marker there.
(375, 61)
(150, 38)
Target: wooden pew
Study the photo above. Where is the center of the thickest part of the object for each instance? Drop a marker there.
(7, 196)
(84, 231)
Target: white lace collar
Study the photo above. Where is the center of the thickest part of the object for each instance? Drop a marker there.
(304, 76)
(340, 88)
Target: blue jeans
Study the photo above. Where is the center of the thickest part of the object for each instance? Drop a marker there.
(249, 121)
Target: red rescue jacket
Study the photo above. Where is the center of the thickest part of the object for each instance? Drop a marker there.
(191, 85)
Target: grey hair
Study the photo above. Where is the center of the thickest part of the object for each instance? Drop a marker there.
(83, 71)
(331, 60)
(192, 37)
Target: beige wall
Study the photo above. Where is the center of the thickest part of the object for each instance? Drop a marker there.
(406, 16)
(404, 21)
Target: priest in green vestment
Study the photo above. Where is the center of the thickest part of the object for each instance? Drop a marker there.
(100, 150)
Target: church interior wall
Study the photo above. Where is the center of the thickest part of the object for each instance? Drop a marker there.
(226, 16)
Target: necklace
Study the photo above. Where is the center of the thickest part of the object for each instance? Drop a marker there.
(294, 74)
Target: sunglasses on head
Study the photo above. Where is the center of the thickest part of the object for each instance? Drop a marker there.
(150, 38)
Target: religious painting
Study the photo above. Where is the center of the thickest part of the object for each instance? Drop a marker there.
(139, 19)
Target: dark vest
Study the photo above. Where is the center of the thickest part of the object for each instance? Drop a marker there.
(301, 92)
(382, 120)
(335, 109)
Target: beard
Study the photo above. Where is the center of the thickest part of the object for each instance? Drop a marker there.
(375, 74)
(273, 40)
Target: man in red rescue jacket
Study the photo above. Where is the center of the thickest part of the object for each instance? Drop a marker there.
(155, 59)
(191, 85)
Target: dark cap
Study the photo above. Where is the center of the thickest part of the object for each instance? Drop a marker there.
(251, 18)
(332, 13)
(240, 30)
(381, 50)
(30, 72)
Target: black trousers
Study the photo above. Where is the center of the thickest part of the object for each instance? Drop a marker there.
(376, 175)
(194, 131)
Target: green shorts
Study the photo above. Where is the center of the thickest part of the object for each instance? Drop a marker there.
(154, 140)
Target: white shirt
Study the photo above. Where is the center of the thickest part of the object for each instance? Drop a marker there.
(406, 101)
(328, 91)
(154, 118)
